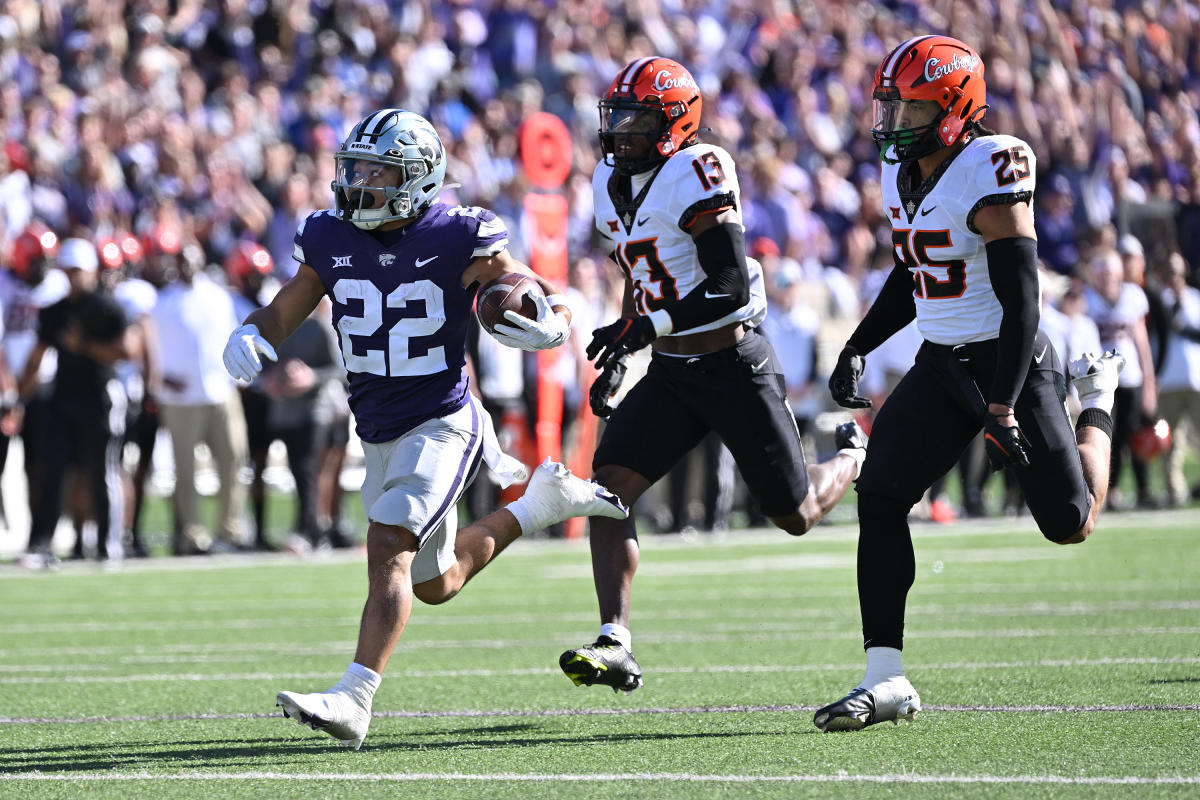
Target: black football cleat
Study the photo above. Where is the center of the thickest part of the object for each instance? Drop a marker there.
(606, 661)
(891, 701)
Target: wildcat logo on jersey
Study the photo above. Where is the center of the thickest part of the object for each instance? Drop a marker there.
(386, 259)
(934, 68)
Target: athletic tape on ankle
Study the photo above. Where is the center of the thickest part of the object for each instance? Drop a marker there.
(1095, 418)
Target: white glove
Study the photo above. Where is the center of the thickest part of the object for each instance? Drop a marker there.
(548, 330)
(242, 350)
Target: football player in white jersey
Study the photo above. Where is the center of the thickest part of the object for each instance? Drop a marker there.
(959, 198)
(669, 205)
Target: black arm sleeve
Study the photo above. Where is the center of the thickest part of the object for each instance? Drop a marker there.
(726, 287)
(1012, 267)
(892, 310)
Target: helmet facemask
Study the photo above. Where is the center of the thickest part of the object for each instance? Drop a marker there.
(894, 129)
(634, 136)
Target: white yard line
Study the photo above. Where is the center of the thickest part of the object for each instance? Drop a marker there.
(223, 652)
(64, 677)
(942, 611)
(644, 777)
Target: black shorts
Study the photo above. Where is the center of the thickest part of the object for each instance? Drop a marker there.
(737, 392)
(928, 420)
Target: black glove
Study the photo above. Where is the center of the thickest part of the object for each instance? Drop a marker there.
(1005, 446)
(605, 388)
(619, 339)
(843, 383)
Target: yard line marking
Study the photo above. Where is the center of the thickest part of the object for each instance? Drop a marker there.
(778, 594)
(649, 777)
(73, 609)
(493, 673)
(1148, 523)
(603, 712)
(767, 634)
(1040, 608)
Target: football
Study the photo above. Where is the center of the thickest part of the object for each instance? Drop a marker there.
(510, 292)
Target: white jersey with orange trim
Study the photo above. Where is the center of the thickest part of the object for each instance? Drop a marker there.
(650, 241)
(935, 236)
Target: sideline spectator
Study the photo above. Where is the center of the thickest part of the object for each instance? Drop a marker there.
(247, 269)
(193, 317)
(86, 414)
(30, 283)
(1119, 309)
(1179, 381)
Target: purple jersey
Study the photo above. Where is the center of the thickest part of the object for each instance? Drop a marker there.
(400, 309)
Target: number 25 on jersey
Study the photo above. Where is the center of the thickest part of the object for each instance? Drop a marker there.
(932, 280)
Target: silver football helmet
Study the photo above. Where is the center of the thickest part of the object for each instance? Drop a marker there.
(391, 167)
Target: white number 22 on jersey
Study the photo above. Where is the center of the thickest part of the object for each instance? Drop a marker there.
(398, 360)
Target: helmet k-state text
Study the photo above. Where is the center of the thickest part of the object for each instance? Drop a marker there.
(927, 92)
(650, 111)
(390, 167)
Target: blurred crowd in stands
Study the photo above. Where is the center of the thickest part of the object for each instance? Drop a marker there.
(185, 140)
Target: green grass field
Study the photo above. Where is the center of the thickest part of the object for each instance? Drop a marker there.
(1045, 672)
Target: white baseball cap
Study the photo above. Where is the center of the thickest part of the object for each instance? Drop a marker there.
(78, 254)
(1130, 245)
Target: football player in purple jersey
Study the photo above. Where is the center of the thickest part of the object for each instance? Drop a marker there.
(402, 270)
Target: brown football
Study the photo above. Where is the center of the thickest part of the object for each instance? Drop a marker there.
(509, 292)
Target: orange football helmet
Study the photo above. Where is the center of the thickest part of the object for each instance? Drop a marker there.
(111, 256)
(935, 69)
(30, 252)
(1150, 441)
(246, 258)
(655, 100)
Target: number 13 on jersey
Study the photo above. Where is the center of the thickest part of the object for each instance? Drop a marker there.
(648, 294)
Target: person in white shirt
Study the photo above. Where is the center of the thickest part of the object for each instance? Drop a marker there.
(1179, 381)
(198, 403)
(1119, 310)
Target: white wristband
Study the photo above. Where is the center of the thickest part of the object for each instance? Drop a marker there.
(558, 300)
(662, 322)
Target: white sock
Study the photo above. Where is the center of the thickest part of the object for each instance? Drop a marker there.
(858, 454)
(360, 682)
(882, 663)
(618, 633)
(520, 510)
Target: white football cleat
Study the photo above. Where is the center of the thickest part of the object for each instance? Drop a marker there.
(555, 495)
(1095, 378)
(336, 713)
(893, 700)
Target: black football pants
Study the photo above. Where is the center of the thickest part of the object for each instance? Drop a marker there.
(919, 434)
(90, 439)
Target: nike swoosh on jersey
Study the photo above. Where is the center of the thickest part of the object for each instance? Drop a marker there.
(712, 296)
(643, 220)
(420, 262)
(1038, 358)
(925, 211)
